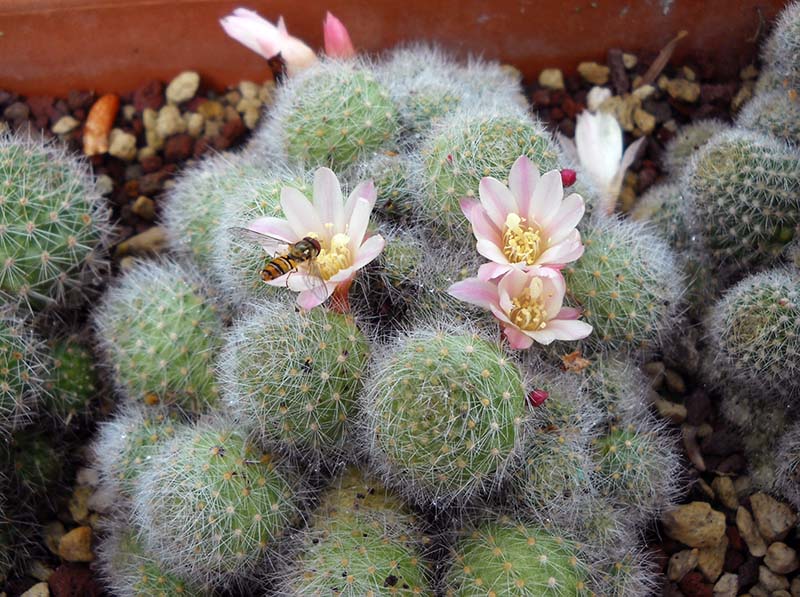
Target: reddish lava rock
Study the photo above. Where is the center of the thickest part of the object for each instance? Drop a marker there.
(178, 148)
(70, 580)
(149, 95)
(693, 585)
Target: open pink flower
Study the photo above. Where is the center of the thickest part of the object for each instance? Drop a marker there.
(339, 226)
(337, 39)
(528, 305)
(252, 30)
(527, 224)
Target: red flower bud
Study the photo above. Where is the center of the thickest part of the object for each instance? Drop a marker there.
(568, 177)
(537, 397)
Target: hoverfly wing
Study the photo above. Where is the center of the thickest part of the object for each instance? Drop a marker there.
(271, 244)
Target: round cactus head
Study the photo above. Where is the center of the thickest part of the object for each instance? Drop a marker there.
(38, 461)
(782, 49)
(627, 284)
(688, 140)
(744, 186)
(126, 445)
(775, 112)
(54, 225)
(72, 382)
(23, 366)
(514, 558)
(129, 569)
(754, 332)
(237, 261)
(463, 149)
(333, 114)
(212, 504)
(444, 413)
(160, 334)
(389, 172)
(361, 541)
(304, 395)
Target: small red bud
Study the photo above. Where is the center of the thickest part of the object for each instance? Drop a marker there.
(537, 397)
(568, 177)
(450, 157)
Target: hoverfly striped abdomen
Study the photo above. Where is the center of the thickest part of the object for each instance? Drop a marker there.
(278, 266)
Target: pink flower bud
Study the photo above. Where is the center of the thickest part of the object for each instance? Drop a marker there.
(337, 39)
(537, 397)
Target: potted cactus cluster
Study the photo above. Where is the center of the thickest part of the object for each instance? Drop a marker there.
(394, 347)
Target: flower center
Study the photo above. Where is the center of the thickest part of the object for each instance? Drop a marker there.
(336, 257)
(528, 312)
(521, 243)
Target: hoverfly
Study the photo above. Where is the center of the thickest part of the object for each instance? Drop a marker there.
(285, 258)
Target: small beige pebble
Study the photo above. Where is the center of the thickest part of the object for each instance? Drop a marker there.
(705, 488)
(183, 87)
(151, 240)
(154, 140)
(743, 485)
(781, 558)
(170, 121)
(76, 545)
(688, 74)
(695, 524)
(646, 123)
(771, 581)
(671, 410)
(756, 591)
(672, 378)
(194, 123)
(267, 92)
(38, 590)
(681, 89)
(727, 585)
(749, 532)
(87, 476)
(726, 492)
(774, 519)
(149, 119)
(39, 570)
(233, 97)
(741, 98)
(780, 593)
(681, 563)
(711, 560)
(146, 152)
(128, 112)
(249, 90)
(629, 60)
(79, 504)
(795, 586)
(671, 125)
(144, 207)
(655, 371)
(551, 78)
(127, 263)
(248, 104)
(212, 128)
(211, 110)
(689, 439)
(230, 114)
(511, 71)
(64, 125)
(122, 145)
(52, 533)
(251, 117)
(103, 499)
(643, 92)
(594, 72)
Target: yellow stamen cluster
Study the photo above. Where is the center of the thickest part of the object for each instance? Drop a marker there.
(528, 311)
(521, 243)
(335, 258)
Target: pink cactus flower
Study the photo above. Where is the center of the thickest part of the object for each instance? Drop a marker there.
(527, 224)
(528, 305)
(337, 39)
(339, 226)
(252, 30)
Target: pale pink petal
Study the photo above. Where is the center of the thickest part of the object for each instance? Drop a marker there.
(476, 292)
(497, 200)
(298, 281)
(490, 250)
(337, 39)
(543, 336)
(569, 214)
(301, 214)
(482, 225)
(567, 329)
(282, 26)
(253, 31)
(567, 251)
(297, 55)
(328, 201)
(514, 282)
(343, 275)
(598, 138)
(568, 148)
(500, 314)
(522, 179)
(359, 220)
(364, 190)
(308, 299)
(277, 227)
(368, 251)
(517, 339)
(568, 313)
(554, 287)
(546, 199)
(492, 270)
(280, 281)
